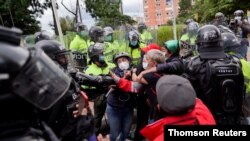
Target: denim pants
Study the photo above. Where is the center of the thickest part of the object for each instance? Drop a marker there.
(120, 120)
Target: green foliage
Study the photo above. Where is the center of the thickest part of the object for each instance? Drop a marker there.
(67, 24)
(165, 33)
(206, 9)
(68, 37)
(185, 7)
(107, 12)
(24, 13)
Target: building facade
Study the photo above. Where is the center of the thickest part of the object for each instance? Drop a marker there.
(158, 12)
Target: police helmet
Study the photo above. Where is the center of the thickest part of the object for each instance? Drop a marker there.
(141, 27)
(239, 13)
(95, 33)
(95, 49)
(192, 27)
(188, 21)
(209, 42)
(108, 30)
(28, 77)
(80, 27)
(219, 15)
(43, 35)
(133, 35)
(52, 48)
(230, 41)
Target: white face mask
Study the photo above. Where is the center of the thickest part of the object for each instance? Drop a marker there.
(145, 65)
(238, 18)
(123, 65)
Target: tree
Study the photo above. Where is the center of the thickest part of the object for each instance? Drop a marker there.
(107, 12)
(206, 9)
(67, 24)
(185, 6)
(22, 14)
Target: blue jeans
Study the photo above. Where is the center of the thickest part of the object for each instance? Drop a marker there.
(120, 120)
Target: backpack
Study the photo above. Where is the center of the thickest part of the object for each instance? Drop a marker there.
(226, 90)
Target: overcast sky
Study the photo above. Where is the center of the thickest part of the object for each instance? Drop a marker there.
(130, 7)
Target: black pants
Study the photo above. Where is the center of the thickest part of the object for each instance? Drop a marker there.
(100, 104)
(142, 116)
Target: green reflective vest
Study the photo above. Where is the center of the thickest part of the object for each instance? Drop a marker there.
(78, 44)
(186, 38)
(146, 37)
(93, 69)
(134, 53)
(111, 48)
(246, 72)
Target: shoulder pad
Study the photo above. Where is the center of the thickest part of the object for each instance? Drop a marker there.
(194, 62)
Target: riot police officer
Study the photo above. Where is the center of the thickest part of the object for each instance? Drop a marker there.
(111, 45)
(134, 46)
(30, 85)
(96, 34)
(217, 77)
(98, 66)
(78, 46)
(145, 35)
(66, 125)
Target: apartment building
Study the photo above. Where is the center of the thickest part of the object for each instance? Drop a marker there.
(158, 12)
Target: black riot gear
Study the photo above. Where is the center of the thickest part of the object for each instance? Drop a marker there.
(96, 34)
(56, 51)
(80, 27)
(95, 49)
(27, 90)
(230, 42)
(43, 35)
(95, 53)
(209, 42)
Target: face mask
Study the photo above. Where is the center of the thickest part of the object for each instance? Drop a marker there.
(101, 58)
(145, 65)
(83, 34)
(108, 38)
(123, 65)
(238, 18)
(133, 43)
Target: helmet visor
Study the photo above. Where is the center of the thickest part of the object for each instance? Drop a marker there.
(41, 82)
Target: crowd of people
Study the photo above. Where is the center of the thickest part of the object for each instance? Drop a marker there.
(201, 79)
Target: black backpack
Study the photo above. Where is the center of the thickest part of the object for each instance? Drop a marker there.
(226, 90)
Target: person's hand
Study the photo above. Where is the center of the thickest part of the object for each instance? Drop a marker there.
(112, 74)
(239, 22)
(127, 74)
(134, 70)
(139, 77)
(78, 113)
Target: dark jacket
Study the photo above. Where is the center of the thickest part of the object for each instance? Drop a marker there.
(117, 97)
(173, 65)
